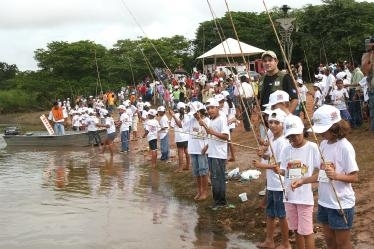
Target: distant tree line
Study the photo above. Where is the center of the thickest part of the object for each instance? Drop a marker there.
(331, 32)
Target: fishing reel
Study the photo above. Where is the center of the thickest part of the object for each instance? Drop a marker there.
(369, 43)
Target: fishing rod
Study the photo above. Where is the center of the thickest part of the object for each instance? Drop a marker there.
(240, 97)
(98, 76)
(258, 104)
(148, 40)
(306, 113)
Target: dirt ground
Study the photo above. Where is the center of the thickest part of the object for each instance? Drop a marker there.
(248, 217)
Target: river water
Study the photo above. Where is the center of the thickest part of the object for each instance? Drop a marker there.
(60, 198)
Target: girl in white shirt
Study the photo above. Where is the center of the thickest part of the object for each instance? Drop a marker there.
(336, 198)
(181, 139)
(298, 160)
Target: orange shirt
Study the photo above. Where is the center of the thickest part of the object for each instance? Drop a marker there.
(57, 114)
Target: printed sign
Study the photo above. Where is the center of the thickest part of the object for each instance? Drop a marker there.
(47, 125)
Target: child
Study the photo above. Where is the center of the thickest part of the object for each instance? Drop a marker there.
(335, 177)
(217, 152)
(111, 131)
(124, 122)
(151, 128)
(318, 98)
(164, 134)
(197, 141)
(181, 138)
(298, 160)
(91, 124)
(274, 203)
(339, 97)
(303, 90)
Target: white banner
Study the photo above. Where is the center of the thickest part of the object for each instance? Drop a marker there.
(47, 125)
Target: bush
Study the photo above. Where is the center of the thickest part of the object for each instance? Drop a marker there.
(16, 101)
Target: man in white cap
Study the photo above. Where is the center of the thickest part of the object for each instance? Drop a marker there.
(276, 80)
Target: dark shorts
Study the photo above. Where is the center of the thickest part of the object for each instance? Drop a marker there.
(183, 144)
(334, 218)
(111, 136)
(152, 144)
(274, 204)
(94, 137)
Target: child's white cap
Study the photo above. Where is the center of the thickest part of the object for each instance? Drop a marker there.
(324, 117)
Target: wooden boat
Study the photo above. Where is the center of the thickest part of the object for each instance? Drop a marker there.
(71, 138)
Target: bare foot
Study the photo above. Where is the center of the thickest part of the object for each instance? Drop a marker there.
(265, 244)
(232, 159)
(284, 247)
(202, 197)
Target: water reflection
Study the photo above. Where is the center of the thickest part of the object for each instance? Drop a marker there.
(76, 199)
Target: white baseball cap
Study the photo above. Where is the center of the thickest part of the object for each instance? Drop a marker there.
(161, 109)
(324, 117)
(267, 110)
(278, 97)
(300, 81)
(181, 105)
(293, 125)
(277, 115)
(152, 112)
(122, 107)
(212, 102)
(219, 97)
(269, 53)
(225, 93)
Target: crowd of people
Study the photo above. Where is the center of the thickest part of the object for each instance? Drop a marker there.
(204, 111)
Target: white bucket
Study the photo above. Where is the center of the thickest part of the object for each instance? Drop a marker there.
(243, 197)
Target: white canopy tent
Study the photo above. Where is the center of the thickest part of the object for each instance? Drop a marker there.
(230, 47)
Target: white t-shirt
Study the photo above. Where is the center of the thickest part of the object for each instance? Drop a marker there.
(337, 97)
(198, 136)
(140, 106)
(218, 148)
(179, 133)
(318, 95)
(364, 84)
(303, 90)
(112, 128)
(164, 123)
(343, 155)
(272, 178)
(91, 123)
(231, 116)
(125, 122)
(129, 114)
(152, 126)
(309, 157)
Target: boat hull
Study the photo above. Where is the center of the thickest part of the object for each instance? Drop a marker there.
(76, 139)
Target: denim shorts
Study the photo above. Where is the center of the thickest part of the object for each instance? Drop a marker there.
(199, 164)
(111, 136)
(152, 144)
(274, 204)
(334, 218)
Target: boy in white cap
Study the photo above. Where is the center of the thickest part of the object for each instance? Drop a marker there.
(274, 198)
(197, 141)
(151, 129)
(339, 170)
(218, 130)
(298, 160)
(164, 134)
(124, 123)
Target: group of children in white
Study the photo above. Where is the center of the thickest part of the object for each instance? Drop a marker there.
(292, 163)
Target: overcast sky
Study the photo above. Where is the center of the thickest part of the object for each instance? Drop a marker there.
(26, 25)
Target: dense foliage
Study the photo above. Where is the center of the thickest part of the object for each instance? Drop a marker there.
(333, 31)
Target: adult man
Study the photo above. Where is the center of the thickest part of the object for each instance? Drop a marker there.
(57, 117)
(367, 67)
(328, 83)
(244, 91)
(276, 80)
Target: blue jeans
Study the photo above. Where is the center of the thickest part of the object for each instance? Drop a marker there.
(371, 109)
(164, 147)
(59, 128)
(125, 136)
(217, 169)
